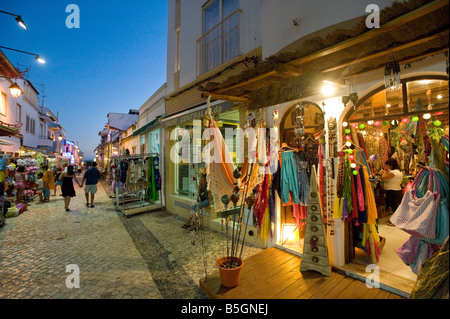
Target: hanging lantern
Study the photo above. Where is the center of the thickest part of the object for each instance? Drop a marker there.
(351, 157)
(377, 123)
(405, 120)
(348, 144)
(426, 116)
(437, 123)
(385, 123)
(415, 119)
(355, 172)
(361, 126)
(354, 125)
(347, 131)
(353, 165)
(350, 151)
(344, 124)
(348, 138)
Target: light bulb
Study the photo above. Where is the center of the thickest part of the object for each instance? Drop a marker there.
(427, 116)
(348, 144)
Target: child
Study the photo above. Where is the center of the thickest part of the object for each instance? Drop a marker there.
(40, 186)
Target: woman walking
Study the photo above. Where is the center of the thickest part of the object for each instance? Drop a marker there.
(68, 191)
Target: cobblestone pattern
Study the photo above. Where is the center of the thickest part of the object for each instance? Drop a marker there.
(147, 256)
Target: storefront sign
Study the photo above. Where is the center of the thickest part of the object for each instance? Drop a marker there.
(67, 154)
(284, 91)
(69, 143)
(197, 115)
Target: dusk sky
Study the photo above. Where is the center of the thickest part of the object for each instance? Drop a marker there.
(114, 62)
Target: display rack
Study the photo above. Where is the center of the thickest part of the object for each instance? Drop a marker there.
(132, 184)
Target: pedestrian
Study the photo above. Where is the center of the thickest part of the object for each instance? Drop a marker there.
(49, 182)
(58, 182)
(392, 184)
(68, 191)
(19, 179)
(90, 178)
(40, 186)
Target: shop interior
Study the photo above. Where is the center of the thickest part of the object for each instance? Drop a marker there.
(393, 122)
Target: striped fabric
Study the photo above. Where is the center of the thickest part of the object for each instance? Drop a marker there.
(417, 216)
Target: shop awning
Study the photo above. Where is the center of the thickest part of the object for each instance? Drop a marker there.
(409, 31)
(144, 128)
(9, 129)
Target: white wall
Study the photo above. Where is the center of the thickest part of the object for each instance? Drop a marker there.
(191, 22)
(277, 18)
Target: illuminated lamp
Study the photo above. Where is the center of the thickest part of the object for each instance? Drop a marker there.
(353, 165)
(405, 120)
(351, 157)
(439, 113)
(426, 116)
(377, 123)
(355, 172)
(15, 90)
(385, 123)
(439, 96)
(361, 126)
(348, 137)
(354, 125)
(345, 124)
(60, 137)
(370, 122)
(289, 234)
(348, 144)
(347, 131)
(350, 151)
(437, 123)
(415, 119)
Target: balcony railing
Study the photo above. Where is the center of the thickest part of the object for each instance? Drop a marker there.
(219, 45)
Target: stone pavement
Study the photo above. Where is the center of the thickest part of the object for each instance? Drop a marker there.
(147, 256)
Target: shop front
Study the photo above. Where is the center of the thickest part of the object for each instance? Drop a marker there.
(385, 104)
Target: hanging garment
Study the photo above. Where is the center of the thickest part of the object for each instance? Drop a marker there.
(370, 204)
(157, 173)
(123, 171)
(302, 177)
(288, 178)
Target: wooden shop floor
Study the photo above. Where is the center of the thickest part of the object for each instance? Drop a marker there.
(275, 274)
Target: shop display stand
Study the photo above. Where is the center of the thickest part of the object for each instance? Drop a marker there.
(315, 252)
(133, 201)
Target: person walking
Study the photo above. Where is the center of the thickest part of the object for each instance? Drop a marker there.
(19, 178)
(392, 184)
(68, 191)
(49, 182)
(90, 178)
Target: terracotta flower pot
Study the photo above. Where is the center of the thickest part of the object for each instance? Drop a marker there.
(229, 277)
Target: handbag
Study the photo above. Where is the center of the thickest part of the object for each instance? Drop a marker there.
(417, 214)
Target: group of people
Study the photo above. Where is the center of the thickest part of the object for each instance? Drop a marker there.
(47, 180)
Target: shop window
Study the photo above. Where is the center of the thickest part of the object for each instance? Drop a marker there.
(419, 94)
(427, 94)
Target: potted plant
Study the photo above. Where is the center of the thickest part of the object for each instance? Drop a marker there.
(231, 264)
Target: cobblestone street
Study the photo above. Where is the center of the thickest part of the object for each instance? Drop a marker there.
(147, 256)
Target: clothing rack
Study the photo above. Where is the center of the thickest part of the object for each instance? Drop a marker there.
(129, 199)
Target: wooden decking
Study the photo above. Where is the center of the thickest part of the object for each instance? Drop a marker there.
(275, 274)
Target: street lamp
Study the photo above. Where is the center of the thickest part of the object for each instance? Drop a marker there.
(15, 90)
(37, 57)
(60, 137)
(18, 19)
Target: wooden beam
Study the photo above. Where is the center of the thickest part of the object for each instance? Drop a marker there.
(224, 97)
(388, 27)
(389, 51)
(241, 84)
(287, 69)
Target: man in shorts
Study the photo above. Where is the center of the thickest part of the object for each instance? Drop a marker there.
(90, 180)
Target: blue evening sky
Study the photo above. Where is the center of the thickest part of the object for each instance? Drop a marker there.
(114, 62)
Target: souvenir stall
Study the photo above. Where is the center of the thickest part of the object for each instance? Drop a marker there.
(135, 183)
